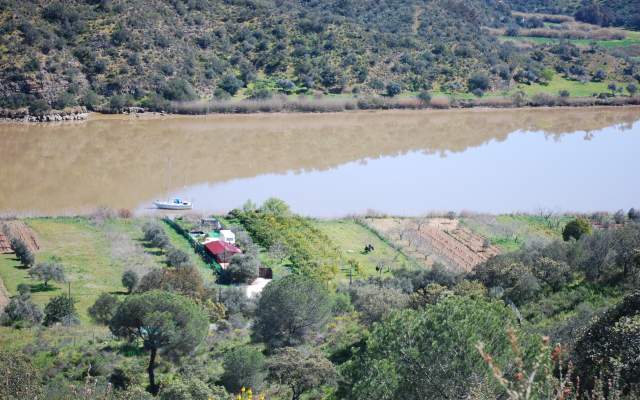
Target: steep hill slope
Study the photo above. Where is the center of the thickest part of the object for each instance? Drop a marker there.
(108, 53)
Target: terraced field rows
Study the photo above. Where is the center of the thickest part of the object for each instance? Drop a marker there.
(436, 239)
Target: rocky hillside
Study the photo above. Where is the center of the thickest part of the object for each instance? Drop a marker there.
(105, 54)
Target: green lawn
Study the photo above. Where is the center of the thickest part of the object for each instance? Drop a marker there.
(511, 232)
(84, 251)
(632, 39)
(352, 237)
(94, 257)
(558, 83)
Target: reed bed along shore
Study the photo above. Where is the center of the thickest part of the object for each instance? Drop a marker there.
(382, 103)
(338, 104)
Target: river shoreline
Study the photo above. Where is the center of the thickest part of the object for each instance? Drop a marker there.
(322, 106)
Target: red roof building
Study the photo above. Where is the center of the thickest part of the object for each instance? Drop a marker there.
(222, 251)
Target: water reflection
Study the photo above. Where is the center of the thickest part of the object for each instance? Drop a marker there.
(329, 164)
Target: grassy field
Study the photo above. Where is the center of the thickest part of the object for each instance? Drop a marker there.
(352, 237)
(632, 39)
(511, 232)
(558, 83)
(94, 256)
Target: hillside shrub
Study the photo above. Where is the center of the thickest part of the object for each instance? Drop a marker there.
(23, 253)
(130, 280)
(104, 308)
(289, 310)
(576, 228)
(430, 353)
(243, 268)
(244, 367)
(61, 309)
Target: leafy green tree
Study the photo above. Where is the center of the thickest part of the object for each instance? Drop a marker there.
(21, 309)
(576, 228)
(104, 308)
(611, 344)
(244, 366)
(275, 206)
(130, 280)
(479, 81)
(235, 301)
(23, 253)
(243, 268)
(39, 107)
(632, 88)
(431, 354)
(177, 258)
(164, 321)
(231, 84)
(48, 271)
(289, 309)
(512, 277)
(61, 309)
(393, 89)
(155, 235)
(375, 303)
(301, 370)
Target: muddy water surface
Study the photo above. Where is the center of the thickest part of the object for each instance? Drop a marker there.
(401, 162)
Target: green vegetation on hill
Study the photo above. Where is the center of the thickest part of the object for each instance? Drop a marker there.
(411, 333)
(107, 55)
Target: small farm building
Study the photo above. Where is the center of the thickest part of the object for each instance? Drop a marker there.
(222, 251)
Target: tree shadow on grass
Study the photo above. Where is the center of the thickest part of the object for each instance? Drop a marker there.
(40, 287)
(20, 266)
(150, 249)
(119, 292)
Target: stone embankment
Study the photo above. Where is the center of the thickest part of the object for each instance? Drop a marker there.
(23, 115)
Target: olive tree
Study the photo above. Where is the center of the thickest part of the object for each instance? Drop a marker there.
(23, 253)
(289, 309)
(177, 258)
(301, 370)
(48, 271)
(243, 268)
(130, 280)
(61, 309)
(155, 235)
(104, 308)
(164, 322)
(21, 310)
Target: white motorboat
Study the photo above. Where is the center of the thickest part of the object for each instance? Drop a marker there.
(175, 204)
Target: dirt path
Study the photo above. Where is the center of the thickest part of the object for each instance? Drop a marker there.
(4, 296)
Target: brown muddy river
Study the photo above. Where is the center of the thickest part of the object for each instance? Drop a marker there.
(397, 162)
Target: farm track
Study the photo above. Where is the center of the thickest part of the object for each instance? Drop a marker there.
(4, 296)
